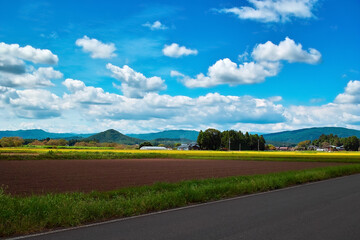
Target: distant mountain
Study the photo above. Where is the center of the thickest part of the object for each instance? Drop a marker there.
(170, 140)
(169, 134)
(296, 136)
(41, 134)
(112, 135)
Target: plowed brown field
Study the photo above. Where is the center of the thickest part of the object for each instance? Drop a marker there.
(43, 176)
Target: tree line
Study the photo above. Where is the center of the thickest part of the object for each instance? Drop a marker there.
(213, 139)
(349, 143)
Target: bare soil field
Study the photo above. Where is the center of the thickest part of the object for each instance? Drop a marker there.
(43, 176)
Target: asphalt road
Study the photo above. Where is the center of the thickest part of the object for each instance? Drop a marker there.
(323, 210)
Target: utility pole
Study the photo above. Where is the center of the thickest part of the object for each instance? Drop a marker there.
(229, 143)
(258, 144)
(239, 146)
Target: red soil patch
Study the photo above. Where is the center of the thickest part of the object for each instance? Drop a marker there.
(42, 176)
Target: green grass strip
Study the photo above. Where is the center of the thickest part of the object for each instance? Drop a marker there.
(23, 215)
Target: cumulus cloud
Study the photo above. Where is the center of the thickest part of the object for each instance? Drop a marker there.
(224, 71)
(80, 93)
(351, 94)
(35, 104)
(330, 114)
(155, 111)
(175, 51)
(96, 48)
(267, 58)
(286, 50)
(181, 110)
(343, 111)
(157, 25)
(274, 10)
(135, 84)
(12, 57)
(40, 77)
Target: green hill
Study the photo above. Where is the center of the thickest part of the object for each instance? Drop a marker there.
(112, 135)
(296, 136)
(169, 134)
(41, 134)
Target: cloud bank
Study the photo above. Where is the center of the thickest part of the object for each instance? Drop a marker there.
(273, 10)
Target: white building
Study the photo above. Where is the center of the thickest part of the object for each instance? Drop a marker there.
(153, 148)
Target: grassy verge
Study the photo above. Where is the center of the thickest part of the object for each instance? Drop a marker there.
(42, 154)
(22, 215)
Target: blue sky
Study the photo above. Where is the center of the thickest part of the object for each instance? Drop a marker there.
(145, 66)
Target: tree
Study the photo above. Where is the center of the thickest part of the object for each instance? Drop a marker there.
(303, 145)
(351, 143)
(57, 142)
(270, 147)
(210, 139)
(325, 144)
(11, 142)
(234, 139)
(200, 139)
(262, 143)
(145, 144)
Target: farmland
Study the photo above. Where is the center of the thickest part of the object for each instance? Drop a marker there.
(45, 189)
(96, 153)
(33, 176)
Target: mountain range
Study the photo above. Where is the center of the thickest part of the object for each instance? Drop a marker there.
(41, 134)
(168, 134)
(111, 135)
(296, 136)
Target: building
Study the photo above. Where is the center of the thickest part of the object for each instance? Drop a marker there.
(153, 148)
(183, 147)
(341, 148)
(191, 146)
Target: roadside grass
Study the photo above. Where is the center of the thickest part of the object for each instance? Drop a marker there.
(95, 153)
(28, 214)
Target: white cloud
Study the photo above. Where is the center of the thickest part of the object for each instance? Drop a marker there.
(157, 25)
(175, 51)
(181, 110)
(98, 110)
(80, 93)
(224, 71)
(96, 48)
(12, 57)
(40, 77)
(266, 63)
(351, 94)
(243, 57)
(135, 84)
(286, 50)
(35, 104)
(275, 99)
(274, 10)
(174, 73)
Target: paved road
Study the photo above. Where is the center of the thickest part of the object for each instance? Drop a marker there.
(324, 210)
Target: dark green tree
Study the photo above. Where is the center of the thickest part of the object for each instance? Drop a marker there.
(210, 139)
(351, 143)
(145, 144)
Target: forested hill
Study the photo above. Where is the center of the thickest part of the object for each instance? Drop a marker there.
(297, 136)
(41, 134)
(169, 134)
(112, 135)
